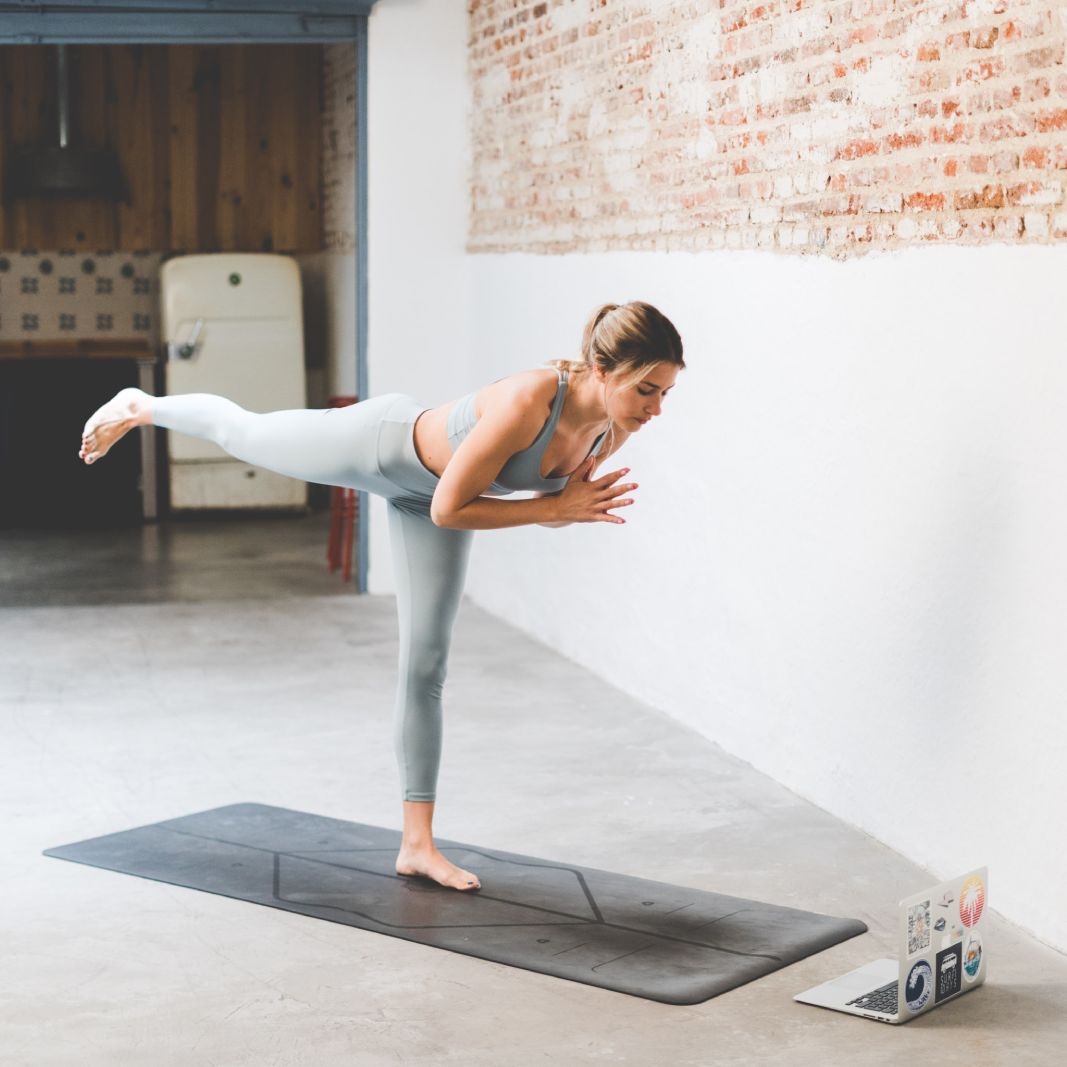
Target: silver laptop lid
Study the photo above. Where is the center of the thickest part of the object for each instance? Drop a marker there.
(941, 944)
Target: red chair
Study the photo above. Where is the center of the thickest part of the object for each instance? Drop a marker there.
(344, 507)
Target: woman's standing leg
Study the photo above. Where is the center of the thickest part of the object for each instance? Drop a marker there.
(430, 564)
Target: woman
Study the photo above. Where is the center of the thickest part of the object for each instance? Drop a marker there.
(439, 469)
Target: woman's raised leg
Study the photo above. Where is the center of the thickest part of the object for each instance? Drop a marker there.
(333, 446)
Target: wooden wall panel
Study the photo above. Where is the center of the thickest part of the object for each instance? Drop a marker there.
(94, 222)
(143, 134)
(207, 94)
(258, 176)
(307, 191)
(24, 119)
(182, 200)
(220, 146)
(230, 210)
(281, 150)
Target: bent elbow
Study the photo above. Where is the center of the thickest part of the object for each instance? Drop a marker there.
(437, 513)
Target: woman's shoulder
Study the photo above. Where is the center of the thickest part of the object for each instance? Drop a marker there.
(535, 382)
(529, 389)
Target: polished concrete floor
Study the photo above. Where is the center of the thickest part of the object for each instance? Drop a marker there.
(153, 673)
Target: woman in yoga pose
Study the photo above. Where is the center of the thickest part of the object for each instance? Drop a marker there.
(439, 470)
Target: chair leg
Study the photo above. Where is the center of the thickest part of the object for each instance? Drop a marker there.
(333, 544)
(349, 530)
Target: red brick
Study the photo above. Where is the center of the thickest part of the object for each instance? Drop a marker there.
(629, 129)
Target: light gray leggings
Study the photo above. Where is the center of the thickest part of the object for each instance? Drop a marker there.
(366, 446)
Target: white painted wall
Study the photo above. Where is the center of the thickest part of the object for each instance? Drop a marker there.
(417, 158)
(846, 563)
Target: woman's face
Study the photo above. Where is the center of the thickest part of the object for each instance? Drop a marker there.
(632, 407)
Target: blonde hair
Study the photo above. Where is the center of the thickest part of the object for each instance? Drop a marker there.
(620, 338)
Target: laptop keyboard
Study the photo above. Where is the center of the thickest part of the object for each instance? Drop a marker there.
(883, 999)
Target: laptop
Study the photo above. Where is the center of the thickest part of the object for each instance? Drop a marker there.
(941, 955)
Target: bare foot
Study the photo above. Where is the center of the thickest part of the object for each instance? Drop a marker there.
(125, 410)
(431, 864)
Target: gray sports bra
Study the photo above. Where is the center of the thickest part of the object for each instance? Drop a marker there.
(522, 470)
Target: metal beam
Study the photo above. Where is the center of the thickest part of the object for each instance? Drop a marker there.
(246, 7)
(187, 21)
(142, 28)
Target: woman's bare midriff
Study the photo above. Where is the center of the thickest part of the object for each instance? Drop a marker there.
(431, 438)
(564, 452)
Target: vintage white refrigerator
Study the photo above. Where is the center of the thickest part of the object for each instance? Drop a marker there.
(232, 324)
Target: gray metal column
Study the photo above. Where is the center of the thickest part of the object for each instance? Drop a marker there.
(362, 375)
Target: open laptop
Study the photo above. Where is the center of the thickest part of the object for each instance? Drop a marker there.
(941, 955)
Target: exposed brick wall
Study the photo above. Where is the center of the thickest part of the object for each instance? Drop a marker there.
(831, 126)
(339, 147)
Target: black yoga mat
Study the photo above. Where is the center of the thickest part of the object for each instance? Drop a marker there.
(650, 939)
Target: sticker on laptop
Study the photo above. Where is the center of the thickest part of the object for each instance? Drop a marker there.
(972, 900)
(940, 924)
(917, 987)
(972, 957)
(918, 927)
(949, 973)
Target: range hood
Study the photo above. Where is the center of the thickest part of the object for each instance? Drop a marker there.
(64, 169)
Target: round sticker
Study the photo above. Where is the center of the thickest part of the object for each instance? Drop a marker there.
(972, 900)
(972, 957)
(918, 986)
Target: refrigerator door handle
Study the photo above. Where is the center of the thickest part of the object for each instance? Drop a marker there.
(187, 349)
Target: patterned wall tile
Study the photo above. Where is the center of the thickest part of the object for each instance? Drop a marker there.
(73, 295)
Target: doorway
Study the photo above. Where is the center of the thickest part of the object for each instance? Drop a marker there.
(190, 117)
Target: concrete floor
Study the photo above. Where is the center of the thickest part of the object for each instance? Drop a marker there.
(153, 673)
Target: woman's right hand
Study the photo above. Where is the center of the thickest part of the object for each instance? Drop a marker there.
(581, 500)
